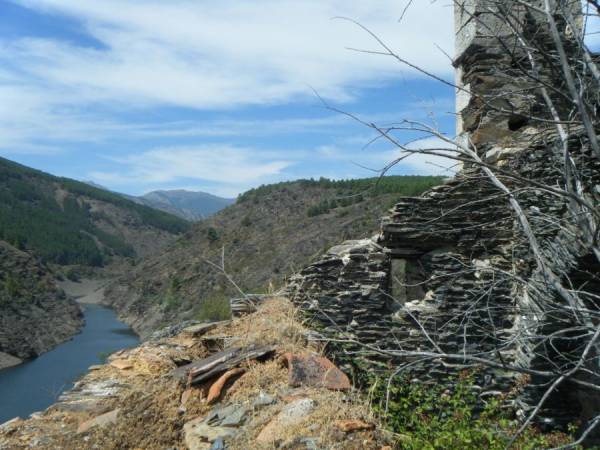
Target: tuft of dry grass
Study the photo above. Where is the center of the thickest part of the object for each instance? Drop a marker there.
(277, 321)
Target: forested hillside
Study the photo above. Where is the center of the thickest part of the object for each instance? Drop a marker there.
(68, 222)
(268, 234)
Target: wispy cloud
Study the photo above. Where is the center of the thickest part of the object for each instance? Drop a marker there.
(229, 53)
(206, 65)
(223, 164)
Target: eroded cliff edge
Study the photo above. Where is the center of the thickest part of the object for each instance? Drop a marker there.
(35, 315)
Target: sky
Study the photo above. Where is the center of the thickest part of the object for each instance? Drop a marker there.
(217, 96)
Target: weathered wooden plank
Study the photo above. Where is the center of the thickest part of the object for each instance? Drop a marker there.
(246, 355)
(214, 365)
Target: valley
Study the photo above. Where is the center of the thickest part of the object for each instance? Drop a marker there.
(450, 301)
(267, 235)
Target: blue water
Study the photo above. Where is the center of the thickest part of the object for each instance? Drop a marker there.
(36, 384)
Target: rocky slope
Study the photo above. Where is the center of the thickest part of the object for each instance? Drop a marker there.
(35, 316)
(188, 205)
(267, 235)
(67, 222)
(147, 397)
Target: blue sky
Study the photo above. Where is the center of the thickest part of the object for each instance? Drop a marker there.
(214, 96)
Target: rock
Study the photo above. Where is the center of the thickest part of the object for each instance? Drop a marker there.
(263, 400)
(216, 390)
(7, 360)
(236, 418)
(202, 328)
(218, 445)
(108, 418)
(11, 424)
(301, 443)
(39, 441)
(232, 415)
(292, 414)
(186, 396)
(350, 426)
(122, 364)
(315, 371)
(172, 330)
(197, 433)
(187, 342)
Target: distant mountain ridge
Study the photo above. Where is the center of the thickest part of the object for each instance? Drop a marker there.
(189, 205)
(67, 222)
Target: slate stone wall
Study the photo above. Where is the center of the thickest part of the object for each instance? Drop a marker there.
(471, 283)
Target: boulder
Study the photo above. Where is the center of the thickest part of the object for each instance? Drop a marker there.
(108, 418)
(121, 364)
(292, 414)
(315, 371)
(197, 433)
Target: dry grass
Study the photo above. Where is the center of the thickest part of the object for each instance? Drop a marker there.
(151, 415)
(319, 425)
(276, 322)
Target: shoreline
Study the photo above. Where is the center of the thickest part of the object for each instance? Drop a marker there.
(87, 291)
(7, 361)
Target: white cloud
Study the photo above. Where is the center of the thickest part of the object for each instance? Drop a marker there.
(229, 53)
(222, 164)
(210, 56)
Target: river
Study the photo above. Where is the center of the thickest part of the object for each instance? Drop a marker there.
(36, 384)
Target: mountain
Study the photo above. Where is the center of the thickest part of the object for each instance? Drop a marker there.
(67, 222)
(35, 315)
(268, 234)
(188, 205)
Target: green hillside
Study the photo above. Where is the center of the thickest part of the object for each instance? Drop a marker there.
(269, 233)
(68, 222)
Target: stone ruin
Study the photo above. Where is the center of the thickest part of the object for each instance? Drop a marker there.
(458, 253)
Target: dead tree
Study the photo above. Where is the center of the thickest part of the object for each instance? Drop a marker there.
(509, 250)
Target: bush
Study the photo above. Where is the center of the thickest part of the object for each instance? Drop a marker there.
(450, 416)
(72, 274)
(212, 234)
(11, 286)
(214, 309)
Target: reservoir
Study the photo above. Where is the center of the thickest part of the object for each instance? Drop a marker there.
(36, 384)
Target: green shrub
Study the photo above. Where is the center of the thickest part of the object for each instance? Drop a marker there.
(72, 274)
(11, 286)
(212, 234)
(170, 301)
(103, 356)
(450, 416)
(214, 309)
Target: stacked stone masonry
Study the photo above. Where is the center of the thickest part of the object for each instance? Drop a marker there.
(470, 283)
